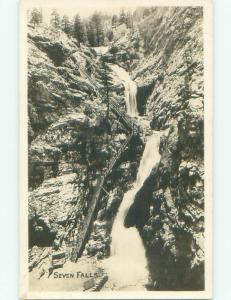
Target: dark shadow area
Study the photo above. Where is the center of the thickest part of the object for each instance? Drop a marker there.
(39, 233)
(172, 275)
(143, 92)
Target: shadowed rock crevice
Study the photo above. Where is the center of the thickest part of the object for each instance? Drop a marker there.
(40, 233)
(143, 92)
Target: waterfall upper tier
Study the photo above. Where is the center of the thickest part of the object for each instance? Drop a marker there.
(130, 89)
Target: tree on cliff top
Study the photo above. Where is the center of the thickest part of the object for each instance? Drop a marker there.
(79, 31)
(115, 21)
(91, 34)
(36, 17)
(55, 19)
(123, 17)
(129, 20)
(66, 25)
(97, 23)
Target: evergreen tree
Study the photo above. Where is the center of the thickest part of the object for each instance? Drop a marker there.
(85, 38)
(40, 16)
(36, 17)
(97, 23)
(110, 35)
(78, 29)
(115, 21)
(91, 34)
(129, 20)
(66, 25)
(122, 19)
(147, 11)
(55, 19)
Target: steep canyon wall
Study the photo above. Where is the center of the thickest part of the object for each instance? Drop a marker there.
(171, 95)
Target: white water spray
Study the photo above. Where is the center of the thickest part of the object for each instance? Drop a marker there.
(130, 90)
(127, 264)
(101, 50)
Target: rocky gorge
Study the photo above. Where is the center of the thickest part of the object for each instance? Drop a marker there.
(73, 138)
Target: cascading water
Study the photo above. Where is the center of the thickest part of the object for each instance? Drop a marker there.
(130, 90)
(101, 50)
(127, 264)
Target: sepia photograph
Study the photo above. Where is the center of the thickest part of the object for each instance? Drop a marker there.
(116, 149)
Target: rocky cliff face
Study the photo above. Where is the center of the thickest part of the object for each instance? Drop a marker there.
(71, 142)
(170, 94)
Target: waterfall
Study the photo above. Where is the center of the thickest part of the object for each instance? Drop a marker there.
(130, 90)
(127, 264)
(101, 50)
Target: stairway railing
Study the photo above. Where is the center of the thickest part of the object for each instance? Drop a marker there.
(82, 237)
(113, 105)
(78, 248)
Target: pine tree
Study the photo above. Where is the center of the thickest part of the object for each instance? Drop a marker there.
(36, 17)
(97, 22)
(110, 35)
(146, 12)
(55, 19)
(85, 38)
(40, 16)
(122, 19)
(66, 25)
(91, 34)
(115, 21)
(78, 29)
(129, 21)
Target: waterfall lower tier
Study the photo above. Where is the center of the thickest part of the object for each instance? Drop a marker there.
(127, 264)
(130, 90)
